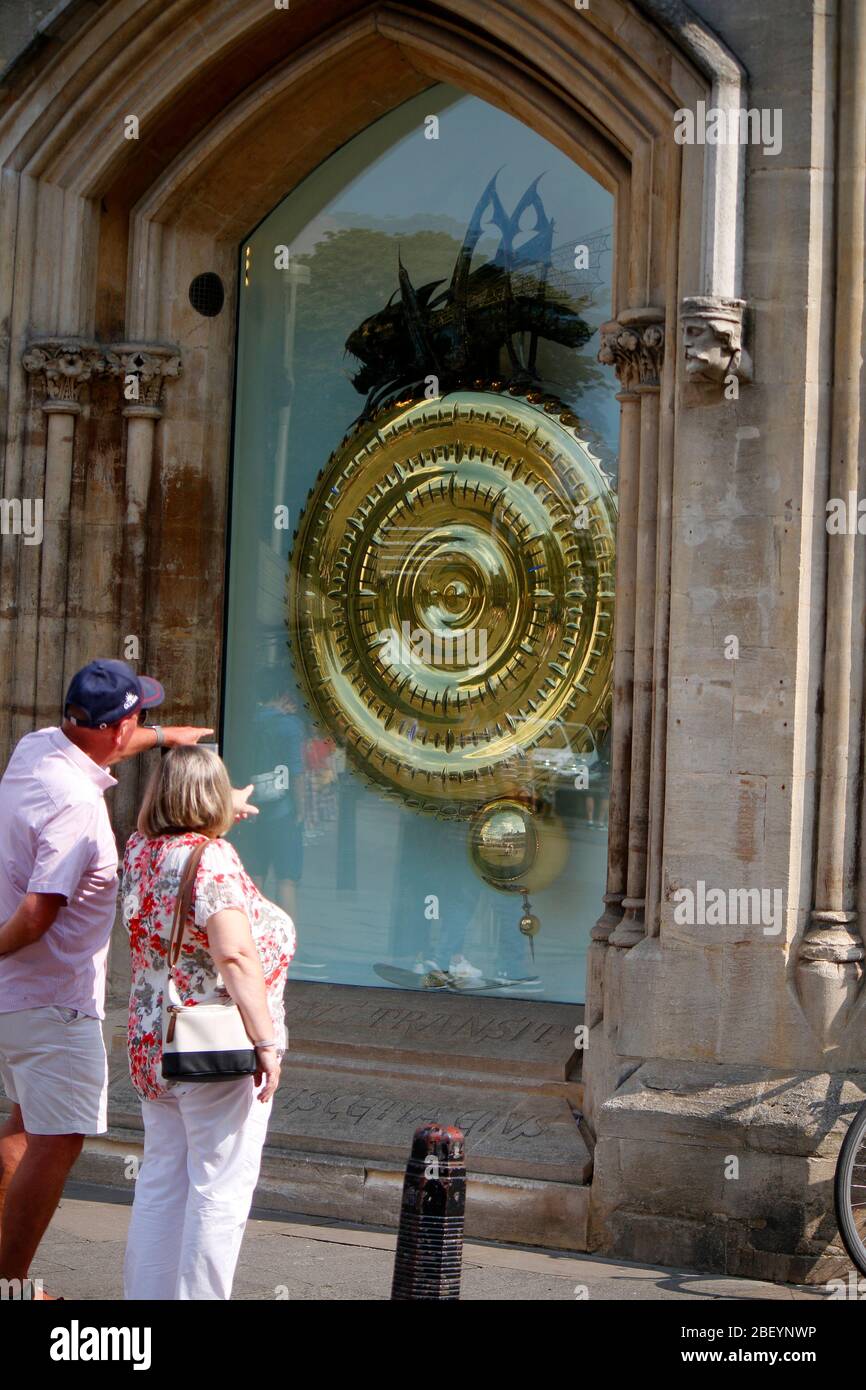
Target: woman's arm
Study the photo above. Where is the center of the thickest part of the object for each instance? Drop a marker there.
(236, 958)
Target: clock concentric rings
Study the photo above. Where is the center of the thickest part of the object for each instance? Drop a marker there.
(451, 594)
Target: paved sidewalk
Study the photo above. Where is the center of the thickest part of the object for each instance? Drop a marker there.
(305, 1259)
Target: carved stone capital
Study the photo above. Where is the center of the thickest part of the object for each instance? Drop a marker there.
(634, 345)
(66, 364)
(142, 370)
(713, 339)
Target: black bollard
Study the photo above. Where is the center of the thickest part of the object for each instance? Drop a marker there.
(430, 1236)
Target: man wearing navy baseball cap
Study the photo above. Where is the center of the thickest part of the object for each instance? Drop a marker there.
(105, 693)
(58, 894)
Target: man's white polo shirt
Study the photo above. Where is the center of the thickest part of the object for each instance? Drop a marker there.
(55, 837)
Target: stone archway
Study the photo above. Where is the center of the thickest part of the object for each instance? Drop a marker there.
(234, 104)
(118, 224)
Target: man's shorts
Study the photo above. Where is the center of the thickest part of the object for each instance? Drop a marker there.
(53, 1064)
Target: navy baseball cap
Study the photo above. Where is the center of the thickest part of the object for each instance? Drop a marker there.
(108, 691)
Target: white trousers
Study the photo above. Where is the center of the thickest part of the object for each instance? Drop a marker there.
(202, 1153)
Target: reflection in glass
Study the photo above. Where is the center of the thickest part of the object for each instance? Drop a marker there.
(491, 886)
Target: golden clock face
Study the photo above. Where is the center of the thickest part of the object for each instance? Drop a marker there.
(451, 596)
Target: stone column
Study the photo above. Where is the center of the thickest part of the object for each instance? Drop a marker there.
(141, 371)
(635, 345)
(623, 664)
(829, 964)
(65, 366)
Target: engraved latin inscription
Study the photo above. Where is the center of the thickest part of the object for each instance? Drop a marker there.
(349, 1110)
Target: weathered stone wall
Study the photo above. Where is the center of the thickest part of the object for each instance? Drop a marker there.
(740, 772)
(770, 1021)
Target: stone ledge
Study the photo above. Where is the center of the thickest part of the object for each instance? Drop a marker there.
(784, 1112)
(640, 1235)
(665, 1177)
(519, 1211)
(433, 1030)
(513, 1133)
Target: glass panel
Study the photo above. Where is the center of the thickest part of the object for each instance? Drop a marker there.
(418, 655)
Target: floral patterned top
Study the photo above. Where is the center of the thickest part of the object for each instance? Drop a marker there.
(151, 878)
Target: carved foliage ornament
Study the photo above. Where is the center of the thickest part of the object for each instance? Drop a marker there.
(143, 372)
(634, 346)
(66, 364)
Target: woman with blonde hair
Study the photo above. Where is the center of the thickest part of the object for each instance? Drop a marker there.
(202, 1143)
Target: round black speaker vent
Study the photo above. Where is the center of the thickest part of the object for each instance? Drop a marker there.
(207, 294)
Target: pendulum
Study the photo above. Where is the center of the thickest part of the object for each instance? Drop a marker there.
(529, 924)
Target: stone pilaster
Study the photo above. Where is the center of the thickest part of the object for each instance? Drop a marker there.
(63, 367)
(829, 973)
(142, 371)
(634, 344)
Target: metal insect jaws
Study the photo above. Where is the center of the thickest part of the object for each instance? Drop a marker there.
(458, 333)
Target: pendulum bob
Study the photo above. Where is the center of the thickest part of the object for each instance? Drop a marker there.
(450, 596)
(429, 1253)
(503, 844)
(516, 849)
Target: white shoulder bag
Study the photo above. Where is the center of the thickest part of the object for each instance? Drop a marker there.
(202, 1042)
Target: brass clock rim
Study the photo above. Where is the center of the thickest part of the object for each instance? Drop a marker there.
(432, 791)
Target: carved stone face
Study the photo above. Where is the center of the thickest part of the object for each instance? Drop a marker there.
(708, 348)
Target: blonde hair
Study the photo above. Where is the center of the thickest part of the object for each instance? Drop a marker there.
(190, 790)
